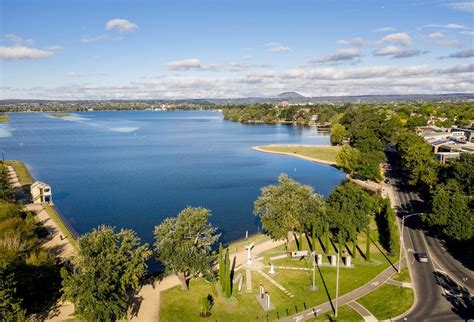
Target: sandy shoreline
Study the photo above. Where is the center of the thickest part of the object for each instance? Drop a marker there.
(261, 149)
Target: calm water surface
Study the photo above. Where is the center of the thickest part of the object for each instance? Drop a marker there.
(133, 169)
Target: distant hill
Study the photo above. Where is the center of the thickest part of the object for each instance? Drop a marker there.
(290, 95)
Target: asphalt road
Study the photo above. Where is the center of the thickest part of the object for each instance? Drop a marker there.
(439, 297)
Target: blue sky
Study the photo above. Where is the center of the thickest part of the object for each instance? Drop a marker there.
(228, 48)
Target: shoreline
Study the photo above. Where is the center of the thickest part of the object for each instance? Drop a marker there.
(26, 178)
(261, 149)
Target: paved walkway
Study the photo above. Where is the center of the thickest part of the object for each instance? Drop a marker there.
(398, 283)
(12, 177)
(366, 315)
(275, 283)
(56, 243)
(349, 297)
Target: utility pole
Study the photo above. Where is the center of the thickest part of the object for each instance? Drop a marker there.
(337, 281)
(401, 239)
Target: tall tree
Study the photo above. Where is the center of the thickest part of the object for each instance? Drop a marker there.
(338, 134)
(284, 207)
(184, 244)
(10, 304)
(350, 208)
(348, 159)
(452, 211)
(106, 274)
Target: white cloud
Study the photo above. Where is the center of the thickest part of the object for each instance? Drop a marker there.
(90, 39)
(21, 52)
(277, 47)
(437, 35)
(400, 38)
(353, 42)
(463, 6)
(73, 74)
(385, 29)
(398, 52)
(55, 48)
(186, 64)
(121, 25)
(465, 32)
(468, 53)
(447, 26)
(18, 40)
(418, 79)
(448, 43)
(342, 55)
(196, 65)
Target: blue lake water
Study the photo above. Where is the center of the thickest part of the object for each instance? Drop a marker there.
(133, 169)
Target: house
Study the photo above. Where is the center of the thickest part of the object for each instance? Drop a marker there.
(41, 193)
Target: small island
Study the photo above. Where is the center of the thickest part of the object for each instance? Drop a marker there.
(4, 118)
(60, 114)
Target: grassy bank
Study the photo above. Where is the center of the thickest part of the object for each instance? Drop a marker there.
(24, 175)
(324, 153)
(388, 301)
(25, 178)
(4, 118)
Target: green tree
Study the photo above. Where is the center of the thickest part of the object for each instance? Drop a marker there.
(348, 159)
(350, 208)
(282, 208)
(462, 171)
(106, 274)
(184, 244)
(338, 134)
(10, 304)
(452, 211)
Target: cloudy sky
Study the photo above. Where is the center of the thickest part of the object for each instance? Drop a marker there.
(228, 48)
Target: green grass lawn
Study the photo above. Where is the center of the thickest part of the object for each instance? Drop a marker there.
(4, 118)
(388, 301)
(60, 114)
(185, 306)
(24, 175)
(326, 153)
(344, 313)
(64, 230)
(403, 276)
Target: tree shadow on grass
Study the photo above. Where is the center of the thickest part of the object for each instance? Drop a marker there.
(383, 253)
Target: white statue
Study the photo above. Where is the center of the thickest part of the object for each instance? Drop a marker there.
(249, 253)
(272, 269)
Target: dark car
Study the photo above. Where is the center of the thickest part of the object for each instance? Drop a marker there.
(422, 257)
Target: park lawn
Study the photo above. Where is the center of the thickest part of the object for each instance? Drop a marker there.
(403, 276)
(58, 220)
(24, 175)
(4, 118)
(388, 301)
(344, 313)
(177, 305)
(325, 153)
(245, 306)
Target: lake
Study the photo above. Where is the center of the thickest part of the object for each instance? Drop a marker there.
(133, 169)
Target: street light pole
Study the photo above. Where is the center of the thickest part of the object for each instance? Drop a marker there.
(337, 282)
(401, 239)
